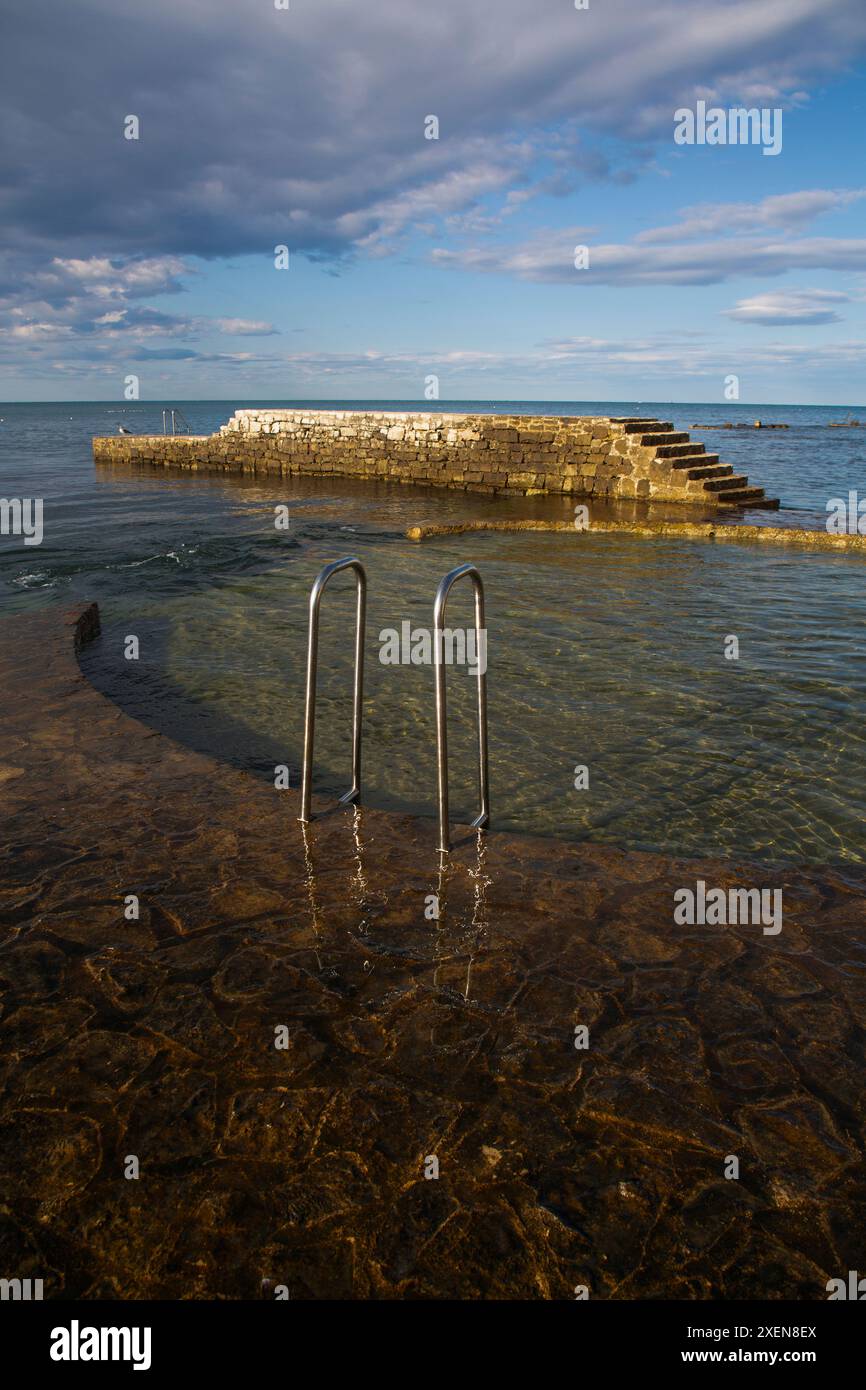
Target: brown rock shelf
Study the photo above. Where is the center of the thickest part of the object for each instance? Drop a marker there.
(408, 1038)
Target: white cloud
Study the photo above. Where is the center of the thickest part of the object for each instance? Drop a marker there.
(245, 327)
(128, 278)
(782, 210)
(97, 303)
(549, 257)
(790, 307)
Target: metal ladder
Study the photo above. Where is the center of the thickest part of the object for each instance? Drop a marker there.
(482, 820)
(176, 417)
(354, 792)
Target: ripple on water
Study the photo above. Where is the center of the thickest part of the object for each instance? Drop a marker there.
(608, 654)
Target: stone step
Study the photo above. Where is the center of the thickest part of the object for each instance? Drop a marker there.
(668, 437)
(642, 426)
(724, 484)
(713, 470)
(679, 451)
(689, 460)
(746, 497)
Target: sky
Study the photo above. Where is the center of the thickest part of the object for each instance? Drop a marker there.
(416, 264)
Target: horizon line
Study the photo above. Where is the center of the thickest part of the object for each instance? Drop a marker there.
(432, 405)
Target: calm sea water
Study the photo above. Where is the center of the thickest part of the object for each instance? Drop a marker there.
(607, 652)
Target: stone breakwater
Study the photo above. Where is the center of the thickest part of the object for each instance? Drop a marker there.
(511, 455)
(678, 530)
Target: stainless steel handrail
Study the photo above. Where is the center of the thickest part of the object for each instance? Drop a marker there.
(316, 592)
(483, 818)
(176, 415)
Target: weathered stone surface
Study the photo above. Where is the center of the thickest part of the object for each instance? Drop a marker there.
(453, 1041)
(46, 1156)
(511, 454)
(650, 529)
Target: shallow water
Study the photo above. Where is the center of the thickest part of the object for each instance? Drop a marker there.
(608, 653)
(409, 1037)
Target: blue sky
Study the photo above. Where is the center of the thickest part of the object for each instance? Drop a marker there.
(411, 257)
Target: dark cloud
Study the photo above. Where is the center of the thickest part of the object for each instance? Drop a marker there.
(305, 126)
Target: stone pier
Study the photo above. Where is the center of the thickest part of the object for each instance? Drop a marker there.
(512, 455)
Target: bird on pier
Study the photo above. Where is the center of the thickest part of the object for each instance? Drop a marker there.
(121, 429)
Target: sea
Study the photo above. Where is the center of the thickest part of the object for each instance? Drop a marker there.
(604, 652)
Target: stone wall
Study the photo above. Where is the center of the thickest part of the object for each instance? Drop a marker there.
(581, 455)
